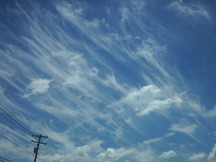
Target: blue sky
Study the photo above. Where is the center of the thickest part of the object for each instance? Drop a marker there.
(124, 81)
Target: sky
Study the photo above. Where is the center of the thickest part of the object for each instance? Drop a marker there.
(108, 81)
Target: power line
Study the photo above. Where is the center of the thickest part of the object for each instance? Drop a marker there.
(15, 142)
(7, 96)
(22, 113)
(49, 150)
(16, 106)
(15, 121)
(4, 159)
(46, 148)
(19, 123)
(6, 124)
(11, 127)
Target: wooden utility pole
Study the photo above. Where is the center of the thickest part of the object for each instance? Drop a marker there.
(38, 144)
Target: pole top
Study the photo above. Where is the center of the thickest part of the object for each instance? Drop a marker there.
(39, 136)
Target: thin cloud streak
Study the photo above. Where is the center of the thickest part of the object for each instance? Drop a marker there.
(194, 10)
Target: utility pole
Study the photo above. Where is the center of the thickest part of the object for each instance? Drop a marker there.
(38, 144)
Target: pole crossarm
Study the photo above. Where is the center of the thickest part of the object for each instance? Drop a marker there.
(39, 136)
(44, 143)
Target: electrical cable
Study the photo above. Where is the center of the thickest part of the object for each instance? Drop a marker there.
(19, 123)
(4, 159)
(27, 138)
(6, 124)
(15, 142)
(49, 150)
(16, 121)
(16, 106)
(22, 113)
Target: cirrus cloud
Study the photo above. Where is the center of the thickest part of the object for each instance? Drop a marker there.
(168, 154)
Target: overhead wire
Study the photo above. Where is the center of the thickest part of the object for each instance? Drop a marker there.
(18, 131)
(15, 142)
(22, 113)
(45, 151)
(4, 159)
(15, 120)
(10, 114)
(49, 150)
(19, 123)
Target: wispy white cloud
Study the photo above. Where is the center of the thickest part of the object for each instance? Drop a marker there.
(194, 10)
(168, 154)
(212, 154)
(154, 140)
(112, 82)
(124, 14)
(197, 157)
(211, 112)
(146, 154)
(153, 52)
(94, 152)
(15, 150)
(114, 154)
(86, 152)
(188, 129)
